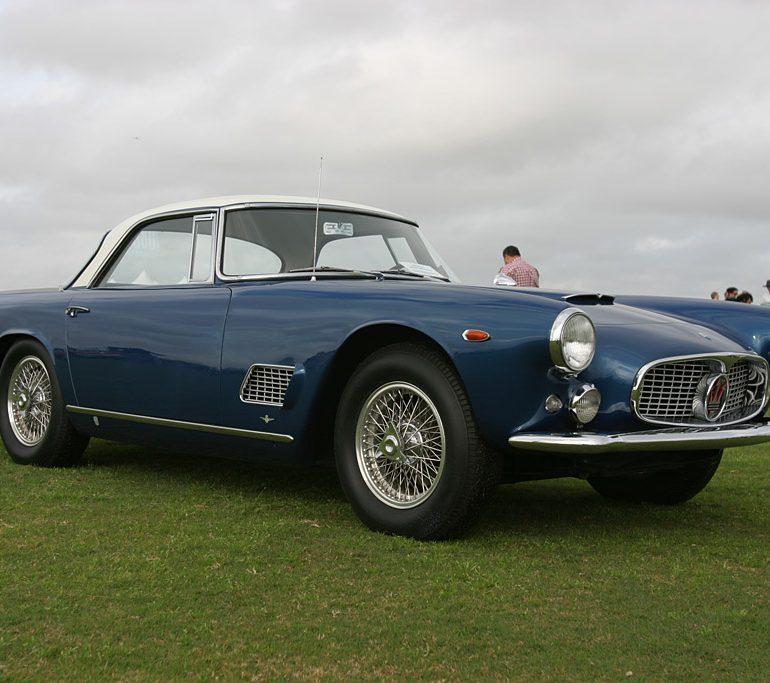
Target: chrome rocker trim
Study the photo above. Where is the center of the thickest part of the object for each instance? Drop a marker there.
(675, 439)
(178, 424)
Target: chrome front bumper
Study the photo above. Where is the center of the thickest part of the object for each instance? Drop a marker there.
(675, 439)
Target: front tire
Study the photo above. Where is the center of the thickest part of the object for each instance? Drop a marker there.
(407, 451)
(664, 487)
(33, 422)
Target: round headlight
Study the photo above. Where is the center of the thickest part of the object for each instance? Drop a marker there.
(573, 340)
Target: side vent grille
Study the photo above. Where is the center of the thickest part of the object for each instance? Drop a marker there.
(266, 384)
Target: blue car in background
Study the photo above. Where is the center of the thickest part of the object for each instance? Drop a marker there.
(282, 329)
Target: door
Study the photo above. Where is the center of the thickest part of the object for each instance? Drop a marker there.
(147, 339)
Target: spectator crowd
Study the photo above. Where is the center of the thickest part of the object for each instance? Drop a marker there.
(732, 294)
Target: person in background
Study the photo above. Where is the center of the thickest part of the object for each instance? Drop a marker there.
(731, 293)
(516, 268)
(766, 296)
(745, 298)
(715, 296)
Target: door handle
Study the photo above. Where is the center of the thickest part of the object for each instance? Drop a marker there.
(73, 311)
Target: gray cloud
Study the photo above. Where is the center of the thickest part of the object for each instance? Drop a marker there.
(622, 146)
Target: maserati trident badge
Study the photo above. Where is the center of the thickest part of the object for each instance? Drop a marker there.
(711, 396)
(267, 419)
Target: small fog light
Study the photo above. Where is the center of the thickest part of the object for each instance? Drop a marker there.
(585, 404)
(553, 404)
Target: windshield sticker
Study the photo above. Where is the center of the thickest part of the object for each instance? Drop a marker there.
(344, 229)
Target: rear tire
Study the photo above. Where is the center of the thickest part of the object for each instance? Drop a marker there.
(33, 422)
(408, 454)
(664, 487)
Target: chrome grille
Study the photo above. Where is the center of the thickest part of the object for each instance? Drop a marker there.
(738, 379)
(266, 384)
(667, 392)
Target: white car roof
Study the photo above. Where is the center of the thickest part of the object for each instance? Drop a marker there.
(116, 235)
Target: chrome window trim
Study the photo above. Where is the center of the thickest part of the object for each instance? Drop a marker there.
(725, 361)
(220, 250)
(265, 365)
(136, 227)
(181, 424)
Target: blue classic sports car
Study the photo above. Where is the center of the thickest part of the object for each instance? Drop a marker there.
(285, 330)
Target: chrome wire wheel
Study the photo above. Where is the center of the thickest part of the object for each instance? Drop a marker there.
(400, 445)
(29, 400)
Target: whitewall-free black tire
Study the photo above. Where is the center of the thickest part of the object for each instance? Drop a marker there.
(406, 446)
(33, 421)
(664, 487)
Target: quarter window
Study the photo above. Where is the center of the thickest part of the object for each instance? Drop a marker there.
(203, 230)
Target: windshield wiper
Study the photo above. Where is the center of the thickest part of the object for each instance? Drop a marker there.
(402, 270)
(335, 269)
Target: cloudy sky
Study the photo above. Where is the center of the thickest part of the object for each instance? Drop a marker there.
(623, 146)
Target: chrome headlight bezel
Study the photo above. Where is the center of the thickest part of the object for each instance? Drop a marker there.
(561, 355)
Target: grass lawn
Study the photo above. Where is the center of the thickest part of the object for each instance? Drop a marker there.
(147, 565)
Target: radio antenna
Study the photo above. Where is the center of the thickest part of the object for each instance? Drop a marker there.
(317, 210)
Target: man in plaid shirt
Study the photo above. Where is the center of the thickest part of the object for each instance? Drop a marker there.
(523, 273)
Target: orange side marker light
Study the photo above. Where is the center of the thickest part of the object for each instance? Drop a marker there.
(476, 335)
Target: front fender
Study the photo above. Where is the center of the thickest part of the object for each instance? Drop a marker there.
(39, 315)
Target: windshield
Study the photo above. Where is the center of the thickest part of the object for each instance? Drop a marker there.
(267, 241)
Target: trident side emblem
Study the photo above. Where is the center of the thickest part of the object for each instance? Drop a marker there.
(711, 396)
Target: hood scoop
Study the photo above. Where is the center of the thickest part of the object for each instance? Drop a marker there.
(588, 299)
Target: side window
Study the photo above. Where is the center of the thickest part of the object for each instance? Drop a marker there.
(171, 251)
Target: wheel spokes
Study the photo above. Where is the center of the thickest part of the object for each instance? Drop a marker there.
(30, 401)
(400, 444)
